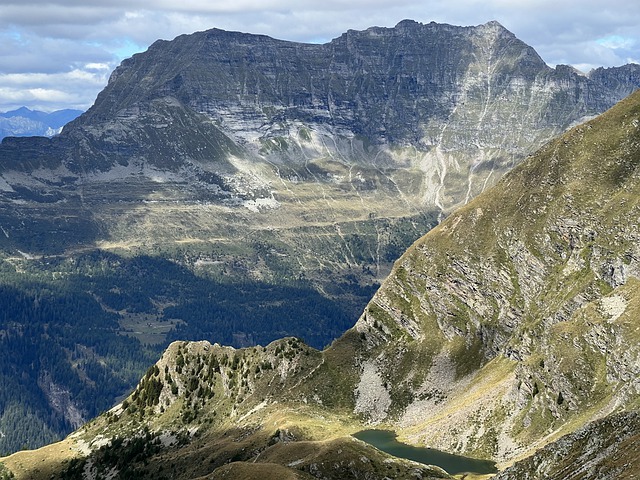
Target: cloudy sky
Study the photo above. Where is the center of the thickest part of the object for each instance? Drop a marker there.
(59, 53)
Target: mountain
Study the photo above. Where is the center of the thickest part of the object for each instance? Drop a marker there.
(604, 449)
(326, 142)
(26, 123)
(237, 189)
(509, 332)
(514, 321)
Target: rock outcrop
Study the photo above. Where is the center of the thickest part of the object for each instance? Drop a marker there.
(606, 449)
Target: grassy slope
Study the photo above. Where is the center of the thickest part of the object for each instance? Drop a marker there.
(221, 411)
(502, 304)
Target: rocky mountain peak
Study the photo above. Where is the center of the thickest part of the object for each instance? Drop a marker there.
(358, 84)
(496, 28)
(408, 24)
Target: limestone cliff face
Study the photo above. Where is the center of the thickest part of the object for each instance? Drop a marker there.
(354, 148)
(456, 105)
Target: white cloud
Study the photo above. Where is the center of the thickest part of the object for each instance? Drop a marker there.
(47, 92)
(39, 98)
(97, 66)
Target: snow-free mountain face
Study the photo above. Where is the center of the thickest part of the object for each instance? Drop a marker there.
(516, 320)
(24, 122)
(511, 325)
(297, 158)
(245, 133)
(286, 176)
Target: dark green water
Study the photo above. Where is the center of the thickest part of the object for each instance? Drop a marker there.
(385, 440)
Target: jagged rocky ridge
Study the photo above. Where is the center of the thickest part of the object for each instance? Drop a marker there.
(219, 132)
(511, 324)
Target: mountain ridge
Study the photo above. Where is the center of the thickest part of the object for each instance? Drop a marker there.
(24, 122)
(497, 297)
(517, 344)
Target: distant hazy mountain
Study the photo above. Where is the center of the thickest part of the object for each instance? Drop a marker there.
(24, 122)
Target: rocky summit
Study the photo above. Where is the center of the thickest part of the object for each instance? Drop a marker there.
(299, 158)
(509, 332)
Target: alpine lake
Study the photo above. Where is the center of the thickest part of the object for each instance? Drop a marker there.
(385, 440)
